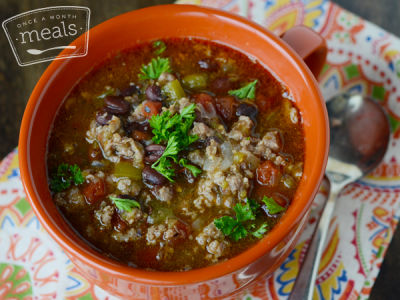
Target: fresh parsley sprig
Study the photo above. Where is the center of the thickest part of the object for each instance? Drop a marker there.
(238, 227)
(246, 92)
(159, 47)
(163, 165)
(65, 176)
(162, 125)
(259, 233)
(174, 130)
(231, 227)
(155, 68)
(271, 205)
(124, 204)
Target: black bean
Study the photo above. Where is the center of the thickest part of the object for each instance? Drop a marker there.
(144, 126)
(245, 109)
(102, 117)
(153, 93)
(208, 64)
(129, 91)
(152, 177)
(116, 105)
(125, 196)
(199, 144)
(153, 152)
(152, 158)
(155, 147)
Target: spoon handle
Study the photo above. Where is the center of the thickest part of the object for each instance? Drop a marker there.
(303, 288)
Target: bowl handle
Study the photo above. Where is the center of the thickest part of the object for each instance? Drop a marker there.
(309, 45)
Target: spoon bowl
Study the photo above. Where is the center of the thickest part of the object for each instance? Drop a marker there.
(359, 135)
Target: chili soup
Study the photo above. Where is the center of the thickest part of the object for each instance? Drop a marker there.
(175, 154)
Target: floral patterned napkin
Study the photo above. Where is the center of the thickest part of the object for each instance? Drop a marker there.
(362, 57)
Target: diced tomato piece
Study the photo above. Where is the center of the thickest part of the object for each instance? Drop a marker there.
(94, 191)
(151, 108)
(204, 99)
(268, 174)
(226, 107)
(141, 135)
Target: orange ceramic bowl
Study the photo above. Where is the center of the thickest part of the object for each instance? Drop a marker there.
(149, 24)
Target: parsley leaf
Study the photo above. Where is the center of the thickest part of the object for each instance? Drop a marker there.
(244, 212)
(77, 177)
(172, 148)
(164, 167)
(159, 47)
(272, 207)
(239, 232)
(155, 68)
(124, 204)
(259, 233)
(254, 206)
(195, 170)
(226, 224)
(65, 176)
(173, 129)
(188, 112)
(159, 125)
(246, 92)
(231, 227)
(239, 227)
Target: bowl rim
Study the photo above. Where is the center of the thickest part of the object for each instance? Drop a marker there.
(160, 278)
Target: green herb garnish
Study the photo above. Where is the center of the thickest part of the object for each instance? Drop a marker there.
(124, 204)
(246, 92)
(173, 129)
(271, 205)
(163, 165)
(159, 47)
(238, 228)
(259, 233)
(65, 176)
(231, 227)
(195, 170)
(244, 212)
(162, 125)
(155, 68)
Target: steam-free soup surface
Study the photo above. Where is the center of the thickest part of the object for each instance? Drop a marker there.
(175, 154)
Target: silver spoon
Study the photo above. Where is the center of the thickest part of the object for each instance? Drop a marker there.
(359, 134)
(38, 52)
